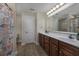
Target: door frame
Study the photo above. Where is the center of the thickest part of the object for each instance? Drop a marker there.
(33, 14)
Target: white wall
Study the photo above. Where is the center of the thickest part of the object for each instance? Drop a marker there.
(52, 24)
(41, 20)
(46, 23)
(19, 26)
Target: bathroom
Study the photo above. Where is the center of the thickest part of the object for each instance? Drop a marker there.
(39, 29)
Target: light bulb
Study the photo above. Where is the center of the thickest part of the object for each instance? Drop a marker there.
(50, 11)
(61, 4)
(57, 6)
(54, 8)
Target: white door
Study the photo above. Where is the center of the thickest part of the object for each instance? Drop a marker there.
(28, 29)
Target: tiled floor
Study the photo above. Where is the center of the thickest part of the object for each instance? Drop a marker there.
(30, 49)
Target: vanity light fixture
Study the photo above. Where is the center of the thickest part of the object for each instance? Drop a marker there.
(61, 4)
(50, 14)
(56, 7)
(50, 11)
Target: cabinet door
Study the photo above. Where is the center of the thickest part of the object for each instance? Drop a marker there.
(53, 47)
(43, 39)
(46, 45)
(40, 39)
(47, 49)
(53, 50)
(46, 40)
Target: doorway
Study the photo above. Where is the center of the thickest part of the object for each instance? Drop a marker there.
(28, 29)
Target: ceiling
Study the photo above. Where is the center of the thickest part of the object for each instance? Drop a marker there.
(45, 7)
(34, 7)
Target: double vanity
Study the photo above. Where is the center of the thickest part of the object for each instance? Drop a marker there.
(58, 44)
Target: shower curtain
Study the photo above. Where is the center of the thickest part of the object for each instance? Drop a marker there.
(7, 30)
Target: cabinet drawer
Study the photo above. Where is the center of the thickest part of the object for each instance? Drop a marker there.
(54, 41)
(69, 48)
(53, 45)
(63, 52)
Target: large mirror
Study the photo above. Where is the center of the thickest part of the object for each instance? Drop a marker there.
(66, 20)
(66, 23)
(69, 24)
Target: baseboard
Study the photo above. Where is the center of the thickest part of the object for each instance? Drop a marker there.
(30, 42)
(37, 43)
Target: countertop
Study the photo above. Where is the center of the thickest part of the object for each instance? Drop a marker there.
(63, 38)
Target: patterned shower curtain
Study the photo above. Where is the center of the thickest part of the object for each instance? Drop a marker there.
(6, 30)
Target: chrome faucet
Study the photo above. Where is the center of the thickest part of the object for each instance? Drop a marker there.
(71, 36)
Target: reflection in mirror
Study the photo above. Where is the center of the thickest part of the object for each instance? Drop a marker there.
(69, 24)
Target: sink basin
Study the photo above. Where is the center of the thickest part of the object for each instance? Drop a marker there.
(67, 39)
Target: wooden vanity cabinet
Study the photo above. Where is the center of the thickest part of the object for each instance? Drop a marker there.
(44, 43)
(53, 47)
(41, 40)
(67, 49)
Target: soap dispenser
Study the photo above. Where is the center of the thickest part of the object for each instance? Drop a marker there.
(46, 31)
